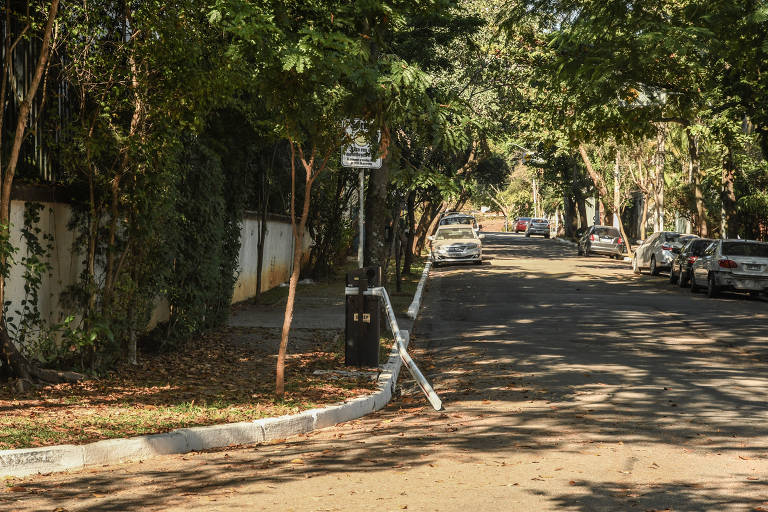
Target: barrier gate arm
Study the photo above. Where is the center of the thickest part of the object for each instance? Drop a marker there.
(380, 291)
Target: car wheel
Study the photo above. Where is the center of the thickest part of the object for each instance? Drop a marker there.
(712, 289)
(653, 268)
(635, 265)
(527, 235)
(546, 236)
(682, 281)
(435, 264)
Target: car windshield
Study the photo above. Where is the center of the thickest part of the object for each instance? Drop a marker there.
(456, 220)
(450, 234)
(697, 247)
(756, 249)
(540, 221)
(612, 232)
(523, 219)
(671, 237)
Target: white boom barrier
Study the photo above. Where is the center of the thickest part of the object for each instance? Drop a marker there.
(437, 404)
(413, 309)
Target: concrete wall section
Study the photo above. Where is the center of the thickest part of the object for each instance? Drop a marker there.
(278, 250)
(66, 260)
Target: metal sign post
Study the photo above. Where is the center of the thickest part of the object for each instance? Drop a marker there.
(361, 220)
(359, 155)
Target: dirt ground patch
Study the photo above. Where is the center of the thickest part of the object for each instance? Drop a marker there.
(221, 377)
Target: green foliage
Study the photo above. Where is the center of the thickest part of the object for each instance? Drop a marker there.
(331, 230)
(204, 236)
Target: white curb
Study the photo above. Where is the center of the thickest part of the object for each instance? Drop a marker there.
(413, 309)
(30, 461)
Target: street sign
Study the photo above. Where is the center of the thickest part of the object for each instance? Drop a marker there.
(359, 154)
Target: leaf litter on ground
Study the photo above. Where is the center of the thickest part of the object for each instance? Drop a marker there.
(221, 377)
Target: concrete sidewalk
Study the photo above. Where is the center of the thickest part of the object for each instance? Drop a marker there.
(312, 313)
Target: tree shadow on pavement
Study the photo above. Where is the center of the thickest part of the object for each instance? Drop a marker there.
(551, 356)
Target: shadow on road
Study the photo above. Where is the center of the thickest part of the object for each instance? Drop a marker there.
(540, 350)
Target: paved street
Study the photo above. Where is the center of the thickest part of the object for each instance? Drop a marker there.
(569, 384)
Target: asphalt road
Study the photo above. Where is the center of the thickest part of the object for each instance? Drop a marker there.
(569, 384)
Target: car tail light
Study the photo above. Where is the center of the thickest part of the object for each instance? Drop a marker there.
(727, 263)
(691, 259)
(666, 247)
(592, 238)
(620, 241)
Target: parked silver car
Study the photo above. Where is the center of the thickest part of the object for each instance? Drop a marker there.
(456, 243)
(658, 251)
(601, 240)
(738, 265)
(538, 227)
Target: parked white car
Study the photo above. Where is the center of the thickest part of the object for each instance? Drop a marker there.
(658, 251)
(738, 265)
(456, 243)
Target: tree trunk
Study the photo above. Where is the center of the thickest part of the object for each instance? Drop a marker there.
(12, 360)
(569, 204)
(599, 183)
(298, 238)
(658, 187)
(701, 212)
(376, 213)
(262, 235)
(393, 236)
(728, 197)
(431, 212)
(410, 217)
(581, 206)
(644, 220)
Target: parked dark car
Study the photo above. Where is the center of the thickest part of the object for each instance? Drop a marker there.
(521, 224)
(680, 272)
(601, 240)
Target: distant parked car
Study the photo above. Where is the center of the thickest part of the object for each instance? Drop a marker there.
(538, 227)
(521, 224)
(658, 251)
(737, 265)
(456, 243)
(601, 240)
(693, 249)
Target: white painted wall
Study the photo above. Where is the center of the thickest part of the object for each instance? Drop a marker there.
(67, 262)
(278, 248)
